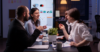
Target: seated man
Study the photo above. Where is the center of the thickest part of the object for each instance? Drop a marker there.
(67, 26)
(18, 38)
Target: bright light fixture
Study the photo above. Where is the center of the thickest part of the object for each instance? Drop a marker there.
(63, 2)
(75, 0)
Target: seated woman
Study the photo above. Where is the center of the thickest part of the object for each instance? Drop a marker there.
(79, 33)
(34, 22)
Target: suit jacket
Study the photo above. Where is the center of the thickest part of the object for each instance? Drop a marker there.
(66, 26)
(18, 38)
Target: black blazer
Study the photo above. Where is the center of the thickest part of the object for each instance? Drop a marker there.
(18, 38)
(66, 26)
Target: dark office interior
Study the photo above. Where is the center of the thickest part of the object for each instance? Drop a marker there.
(89, 13)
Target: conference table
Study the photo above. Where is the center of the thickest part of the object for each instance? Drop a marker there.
(50, 49)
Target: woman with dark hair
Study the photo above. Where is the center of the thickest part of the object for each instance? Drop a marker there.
(33, 21)
(79, 33)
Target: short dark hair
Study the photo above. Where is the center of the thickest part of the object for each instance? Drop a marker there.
(20, 10)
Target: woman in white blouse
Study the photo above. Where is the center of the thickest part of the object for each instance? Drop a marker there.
(79, 33)
(34, 22)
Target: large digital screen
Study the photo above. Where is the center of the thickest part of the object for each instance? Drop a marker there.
(46, 11)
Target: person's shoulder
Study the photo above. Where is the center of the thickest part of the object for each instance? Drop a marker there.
(81, 25)
(14, 23)
(28, 22)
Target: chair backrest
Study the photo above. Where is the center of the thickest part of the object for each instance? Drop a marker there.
(97, 18)
(99, 46)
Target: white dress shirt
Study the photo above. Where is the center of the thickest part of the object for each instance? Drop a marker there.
(21, 22)
(30, 27)
(79, 32)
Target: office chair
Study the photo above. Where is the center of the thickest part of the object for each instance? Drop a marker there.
(99, 46)
(97, 18)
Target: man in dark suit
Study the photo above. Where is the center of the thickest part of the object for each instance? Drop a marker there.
(18, 38)
(67, 26)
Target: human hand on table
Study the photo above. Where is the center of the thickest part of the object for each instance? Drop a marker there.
(41, 36)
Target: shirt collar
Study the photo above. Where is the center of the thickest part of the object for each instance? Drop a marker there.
(72, 24)
(68, 23)
(21, 22)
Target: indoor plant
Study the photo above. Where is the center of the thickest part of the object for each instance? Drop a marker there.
(52, 32)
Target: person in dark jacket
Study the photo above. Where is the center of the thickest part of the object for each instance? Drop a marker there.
(67, 26)
(18, 38)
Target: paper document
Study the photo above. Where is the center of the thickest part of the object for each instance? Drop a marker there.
(39, 47)
(66, 44)
(59, 36)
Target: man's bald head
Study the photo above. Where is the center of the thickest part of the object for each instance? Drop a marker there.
(20, 10)
(22, 13)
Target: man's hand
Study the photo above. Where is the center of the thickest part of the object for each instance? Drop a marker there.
(41, 36)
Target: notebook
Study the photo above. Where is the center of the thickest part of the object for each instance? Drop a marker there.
(39, 47)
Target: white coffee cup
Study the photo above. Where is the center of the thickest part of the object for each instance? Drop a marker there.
(59, 45)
